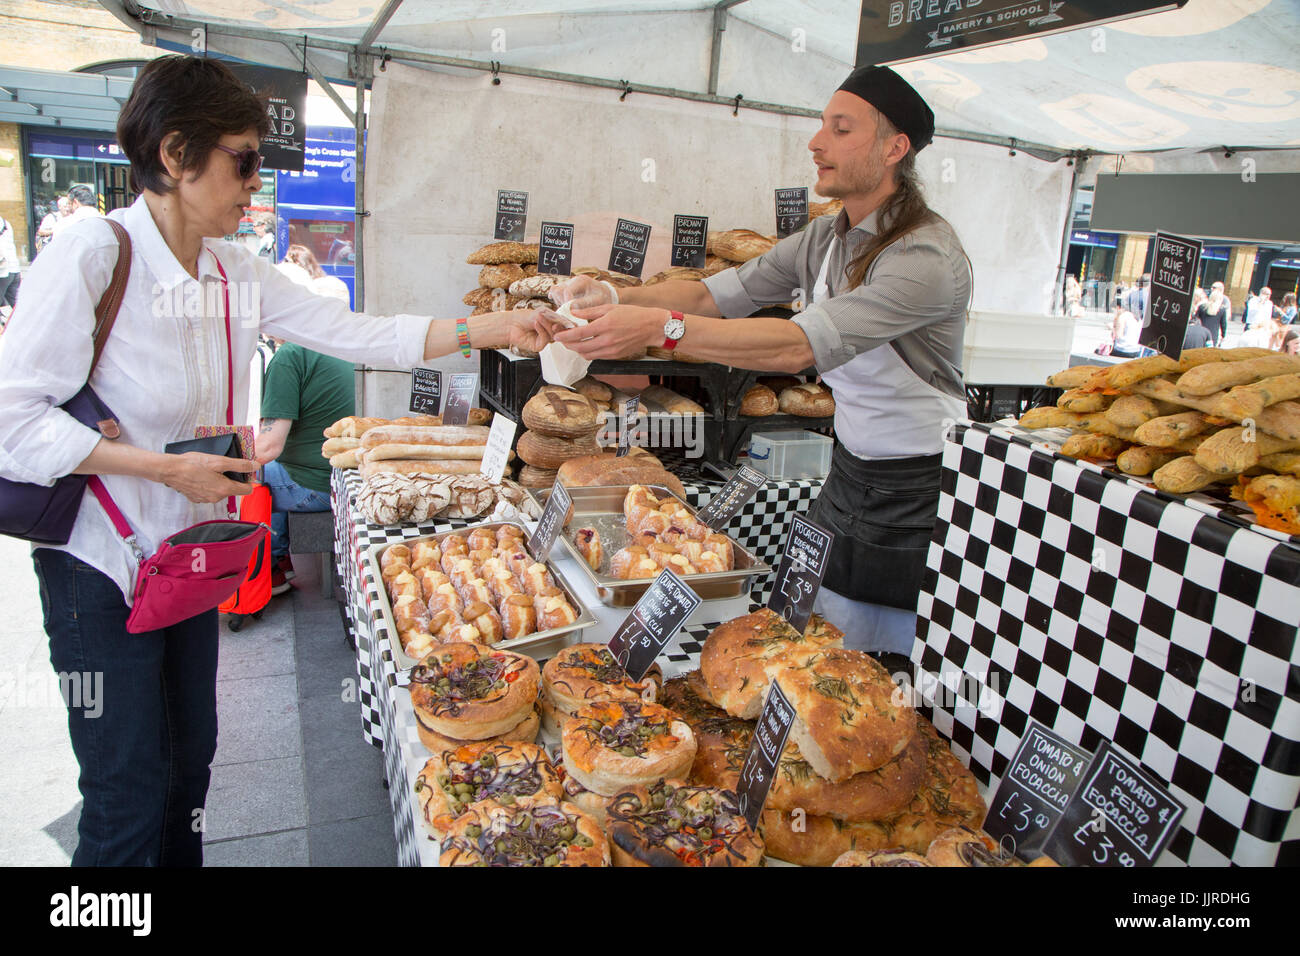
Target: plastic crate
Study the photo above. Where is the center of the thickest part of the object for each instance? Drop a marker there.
(791, 454)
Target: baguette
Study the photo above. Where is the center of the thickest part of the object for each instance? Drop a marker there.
(407, 467)
(346, 459)
(412, 452)
(426, 435)
(672, 402)
(1215, 377)
(334, 446)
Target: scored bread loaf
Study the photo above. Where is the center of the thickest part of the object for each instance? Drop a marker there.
(548, 451)
(676, 272)
(500, 276)
(560, 412)
(672, 402)
(808, 400)
(759, 400)
(530, 476)
(426, 435)
(537, 286)
(739, 245)
(609, 470)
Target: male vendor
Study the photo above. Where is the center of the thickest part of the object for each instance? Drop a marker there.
(886, 285)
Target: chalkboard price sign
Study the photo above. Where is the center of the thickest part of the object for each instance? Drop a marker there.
(1120, 816)
(791, 211)
(554, 517)
(690, 241)
(555, 250)
(1032, 796)
(426, 391)
(759, 769)
(735, 494)
(627, 254)
(511, 216)
(462, 390)
(1173, 285)
(627, 425)
(800, 571)
(655, 619)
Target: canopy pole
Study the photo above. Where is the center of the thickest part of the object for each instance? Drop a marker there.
(715, 54)
(1058, 291)
(361, 71)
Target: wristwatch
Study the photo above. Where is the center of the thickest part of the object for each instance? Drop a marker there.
(674, 329)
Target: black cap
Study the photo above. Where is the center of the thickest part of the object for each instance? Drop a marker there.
(897, 101)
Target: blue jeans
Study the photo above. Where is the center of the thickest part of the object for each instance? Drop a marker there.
(146, 742)
(287, 495)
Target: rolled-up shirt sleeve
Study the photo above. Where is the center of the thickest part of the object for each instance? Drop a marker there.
(769, 279)
(293, 312)
(912, 284)
(45, 357)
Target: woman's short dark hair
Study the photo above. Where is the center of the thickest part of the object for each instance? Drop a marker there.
(200, 99)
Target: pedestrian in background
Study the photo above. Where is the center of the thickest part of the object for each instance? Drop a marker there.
(1288, 308)
(1215, 312)
(10, 271)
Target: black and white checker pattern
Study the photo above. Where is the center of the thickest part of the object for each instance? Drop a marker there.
(1062, 593)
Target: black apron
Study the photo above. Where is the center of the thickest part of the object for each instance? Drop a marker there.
(883, 514)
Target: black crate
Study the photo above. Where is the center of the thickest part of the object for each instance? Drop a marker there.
(989, 403)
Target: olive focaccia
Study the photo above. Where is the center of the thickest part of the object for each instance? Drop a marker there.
(493, 834)
(736, 653)
(880, 858)
(590, 803)
(850, 715)
(583, 673)
(613, 744)
(468, 692)
(509, 773)
(962, 846)
(673, 823)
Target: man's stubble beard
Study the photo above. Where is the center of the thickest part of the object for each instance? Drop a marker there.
(861, 178)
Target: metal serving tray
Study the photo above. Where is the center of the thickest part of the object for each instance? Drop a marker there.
(601, 507)
(539, 645)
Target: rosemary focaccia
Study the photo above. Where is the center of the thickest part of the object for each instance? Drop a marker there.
(850, 715)
(493, 834)
(962, 846)
(468, 692)
(583, 673)
(509, 773)
(673, 823)
(613, 744)
(736, 653)
(863, 796)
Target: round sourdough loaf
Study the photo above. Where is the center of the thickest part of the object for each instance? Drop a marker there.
(759, 400)
(560, 412)
(809, 400)
(549, 452)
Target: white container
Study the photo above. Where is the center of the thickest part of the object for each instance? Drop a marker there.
(790, 454)
(1007, 348)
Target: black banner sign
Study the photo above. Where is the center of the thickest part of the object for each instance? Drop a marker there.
(893, 31)
(286, 110)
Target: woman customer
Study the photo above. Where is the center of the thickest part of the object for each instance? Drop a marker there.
(1288, 308)
(1215, 312)
(1291, 342)
(301, 266)
(190, 320)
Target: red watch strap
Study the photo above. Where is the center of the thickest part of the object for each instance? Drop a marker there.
(671, 344)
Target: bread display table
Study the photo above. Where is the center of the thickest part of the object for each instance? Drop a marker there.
(1082, 599)
(387, 719)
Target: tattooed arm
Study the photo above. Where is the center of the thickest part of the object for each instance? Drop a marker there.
(270, 438)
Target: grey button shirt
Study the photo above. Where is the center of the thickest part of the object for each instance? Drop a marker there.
(914, 298)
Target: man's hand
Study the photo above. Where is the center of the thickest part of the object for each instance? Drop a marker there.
(583, 292)
(612, 331)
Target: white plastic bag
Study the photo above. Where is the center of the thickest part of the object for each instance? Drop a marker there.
(560, 364)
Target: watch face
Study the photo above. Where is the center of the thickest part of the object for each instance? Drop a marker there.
(674, 328)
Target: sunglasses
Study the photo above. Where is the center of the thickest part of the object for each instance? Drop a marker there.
(247, 161)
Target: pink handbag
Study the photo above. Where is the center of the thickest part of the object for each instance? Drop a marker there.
(195, 569)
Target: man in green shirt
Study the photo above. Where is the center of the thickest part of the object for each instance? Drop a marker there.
(305, 393)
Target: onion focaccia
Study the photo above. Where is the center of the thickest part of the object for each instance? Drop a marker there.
(590, 803)
(556, 834)
(881, 858)
(850, 715)
(962, 846)
(584, 673)
(469, 692)
(509, 773)
(721, 741)
(672, 823)
(614, 744)
(736, 653)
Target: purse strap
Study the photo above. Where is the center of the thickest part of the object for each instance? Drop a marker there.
(111, 301)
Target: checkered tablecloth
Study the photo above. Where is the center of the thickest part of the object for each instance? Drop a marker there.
(1057, 592)
(387, 719)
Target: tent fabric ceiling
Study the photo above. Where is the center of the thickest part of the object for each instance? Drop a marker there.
(1216, 72)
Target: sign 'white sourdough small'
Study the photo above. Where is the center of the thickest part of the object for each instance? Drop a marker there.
(74, 909)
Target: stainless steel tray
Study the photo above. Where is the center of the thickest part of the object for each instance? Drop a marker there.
(539, 645)
(601, 507)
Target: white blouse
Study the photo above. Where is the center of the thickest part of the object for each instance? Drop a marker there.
(163, 370)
